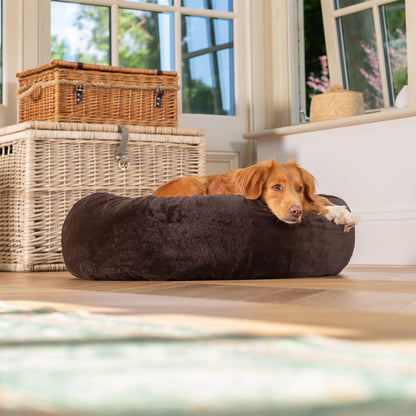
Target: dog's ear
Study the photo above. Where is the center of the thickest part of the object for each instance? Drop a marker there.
(314, 202)
(291, 162)
(308, 185)
(307, 179)
(251, 180)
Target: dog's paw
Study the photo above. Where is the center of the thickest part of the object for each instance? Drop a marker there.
(340, 215)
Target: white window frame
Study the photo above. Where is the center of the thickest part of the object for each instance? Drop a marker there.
(284, 63)
(176, 9)
(12, 35)
(285, 79)
(23, 31)
(330, 16)
(269, 40)
(280, 105)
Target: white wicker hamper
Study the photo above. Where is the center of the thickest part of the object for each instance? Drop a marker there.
(45, 167)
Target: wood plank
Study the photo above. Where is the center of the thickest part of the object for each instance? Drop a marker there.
(364, 303)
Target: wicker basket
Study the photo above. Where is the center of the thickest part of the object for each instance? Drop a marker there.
(85, 93)
(336, 103)
(46, 167)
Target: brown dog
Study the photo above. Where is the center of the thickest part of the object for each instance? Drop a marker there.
(287, 189)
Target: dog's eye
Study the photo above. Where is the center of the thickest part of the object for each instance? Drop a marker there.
(300, 189)
(277, 187)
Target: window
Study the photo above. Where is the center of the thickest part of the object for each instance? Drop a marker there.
(199, 34)
(145, 39)
(370, 54)
(316, 62)
(80, 32)
(207, 65)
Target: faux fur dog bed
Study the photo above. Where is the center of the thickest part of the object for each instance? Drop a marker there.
(108, 237)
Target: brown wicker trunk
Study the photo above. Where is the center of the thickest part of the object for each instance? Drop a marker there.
(86, 93)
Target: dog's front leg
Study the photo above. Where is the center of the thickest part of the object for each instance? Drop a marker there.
(340, 215)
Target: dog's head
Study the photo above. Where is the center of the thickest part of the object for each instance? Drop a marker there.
(286, 188)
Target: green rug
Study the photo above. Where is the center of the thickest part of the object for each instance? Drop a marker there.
(87, 364)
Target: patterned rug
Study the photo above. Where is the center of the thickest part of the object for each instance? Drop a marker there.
(78, 363)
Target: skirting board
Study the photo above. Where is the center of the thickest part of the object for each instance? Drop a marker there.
(386, 237)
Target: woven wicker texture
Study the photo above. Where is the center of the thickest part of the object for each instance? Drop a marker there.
(336, 103)
(46, 167)
(110, 95)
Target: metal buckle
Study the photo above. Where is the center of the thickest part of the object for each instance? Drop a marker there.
(121, 155)
(123, 162)
(158, 97)
(78, 94)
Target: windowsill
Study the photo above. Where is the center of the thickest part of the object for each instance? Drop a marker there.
(382, 115)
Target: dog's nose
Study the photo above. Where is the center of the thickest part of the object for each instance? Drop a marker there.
(295, 210)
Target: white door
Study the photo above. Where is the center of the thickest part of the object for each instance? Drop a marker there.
(213, 51)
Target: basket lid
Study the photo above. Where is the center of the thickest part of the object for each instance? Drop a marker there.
(98, 128)
(92, 67)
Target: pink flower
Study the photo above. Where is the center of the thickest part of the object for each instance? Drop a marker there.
(373, 95)
(321, 84)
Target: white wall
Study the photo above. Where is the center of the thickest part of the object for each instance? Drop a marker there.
(373, 167)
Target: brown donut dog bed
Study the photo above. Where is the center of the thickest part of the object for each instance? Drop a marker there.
(108, 237)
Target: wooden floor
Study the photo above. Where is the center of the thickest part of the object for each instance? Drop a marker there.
(376, 304)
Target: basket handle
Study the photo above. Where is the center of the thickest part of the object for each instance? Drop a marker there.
(121, 156)
(336, 88)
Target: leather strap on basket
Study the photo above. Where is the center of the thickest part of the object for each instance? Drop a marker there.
(121, 155)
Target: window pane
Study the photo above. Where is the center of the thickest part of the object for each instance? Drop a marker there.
(161, 2)
(393, 20)
(80, 33)
(360, 65)
(145, 40)
(207, 65)
(339, 4)
(221, 5)
(316, 64)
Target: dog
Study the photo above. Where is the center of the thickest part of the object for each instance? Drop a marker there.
(287, 189)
